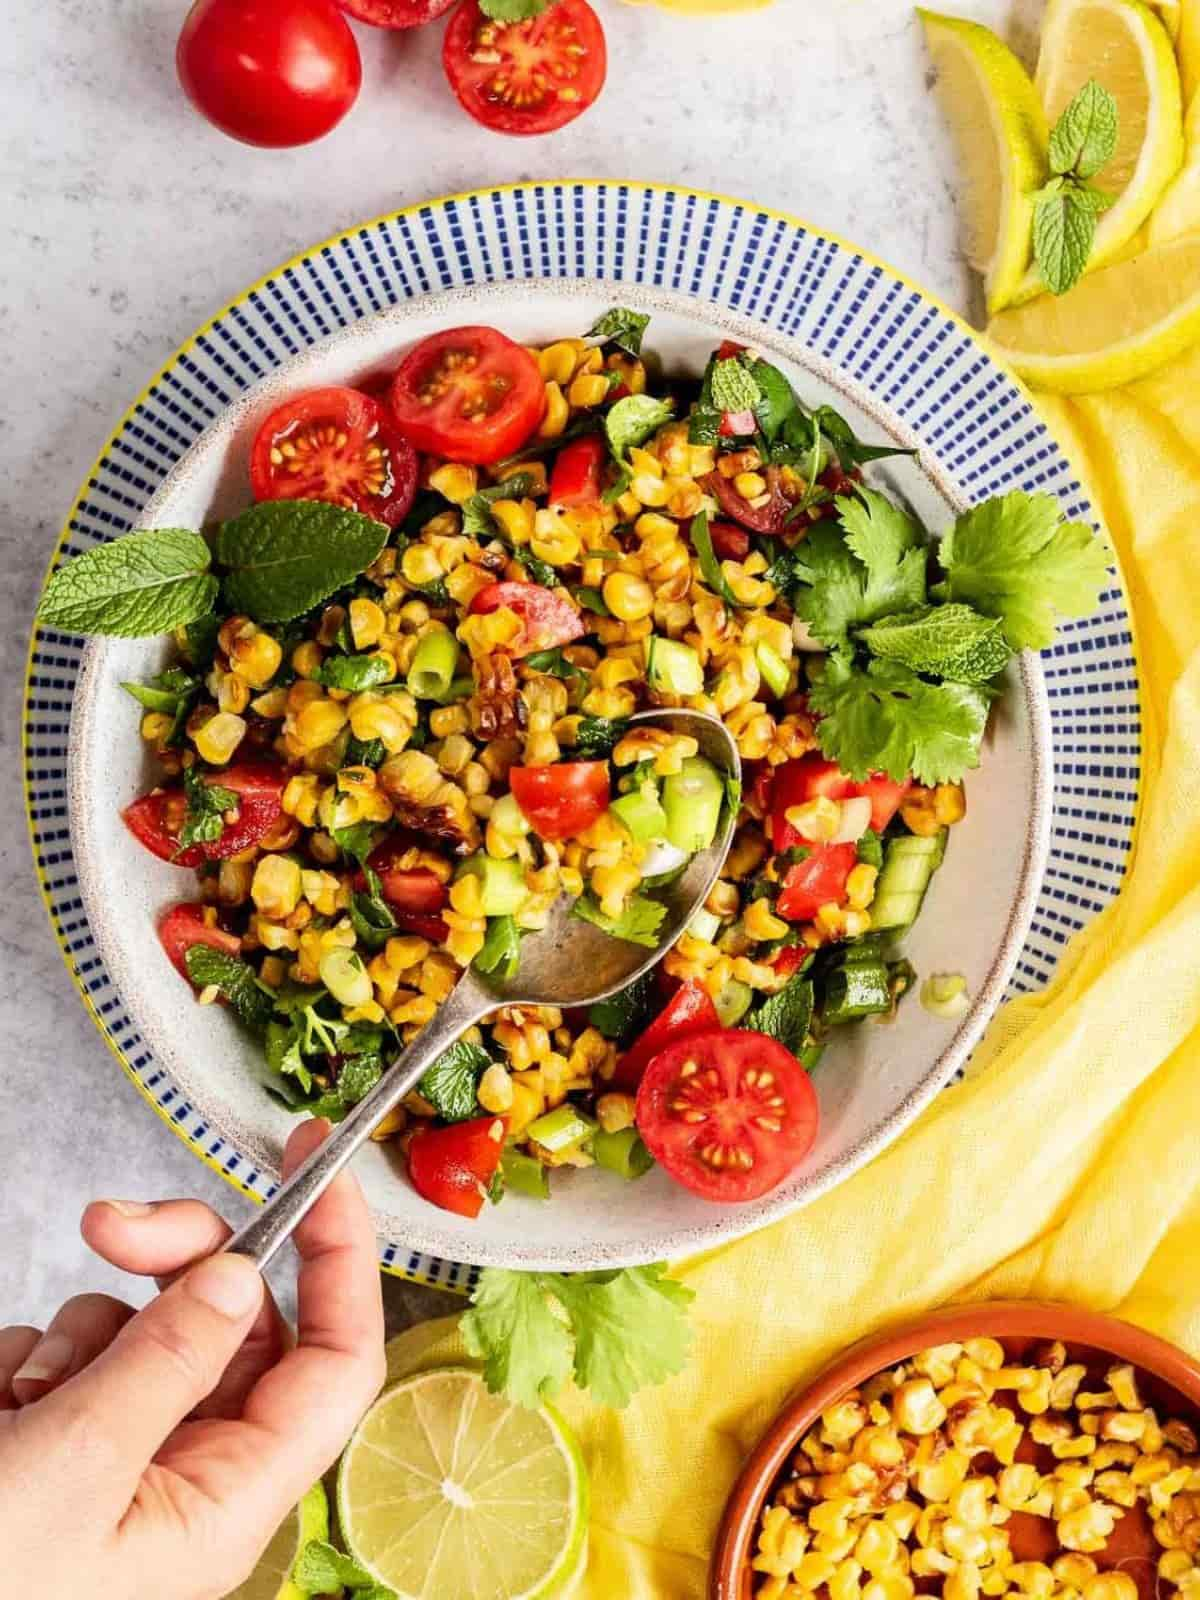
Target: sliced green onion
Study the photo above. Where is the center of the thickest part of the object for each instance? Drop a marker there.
(432, 670)
(343, 974)
(525, 1174)
(561, 1129)
(945, 995)
(622, 1153)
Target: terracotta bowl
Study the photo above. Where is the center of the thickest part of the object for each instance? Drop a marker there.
(1169, 1380)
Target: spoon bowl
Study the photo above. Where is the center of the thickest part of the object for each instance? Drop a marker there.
(569, 962)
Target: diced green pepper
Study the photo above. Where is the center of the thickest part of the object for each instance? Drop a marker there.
(642, 813)
(733, 1002)
(692, 800)
(562, 1129)
(502, 883)
(525, 1174)
(622, 1153)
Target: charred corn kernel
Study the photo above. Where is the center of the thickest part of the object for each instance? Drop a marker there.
(306, 659)
(733, 462)
(860, 886)
(466, 896)
(760, 922)
(273, 971)
(276, 886)
(233, 693)
(528, 1104)
(233, 882)
(220, 736)
(949, 803)
(300, 796)
(557, 361)
(447, 720)
(256, 659)
(420, 564)
(455, 481)
(962, 1583)
(553, 540)
(1113, 1585)
(390, 718)
(750, 485)
(615, 1112)
(495, 1092)
(587, 389)
(1174, 1565)
(156, 727)
(367, 623)
(817, 820)
(516, 519)
(319, 723)
(1088, 1527)
(1017, 1485)
(628, 597)
(1073, 1449)
(557, 411)
(648, 490)
(272, 704)
(916, 1407)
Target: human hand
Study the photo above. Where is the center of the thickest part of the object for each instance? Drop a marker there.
(151, 1456)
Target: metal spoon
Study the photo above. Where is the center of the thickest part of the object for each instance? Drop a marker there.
(568, 963)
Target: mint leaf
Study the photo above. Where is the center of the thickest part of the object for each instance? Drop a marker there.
(733, 386)
(785, 1015)
(524, 1345)
(632, 421)
(204, 822)
(847, 591)
(283, 557)
(950, 641)
(886, 719)
(622, 327)
(595, 737)
(777, 401)
(630, 1329)
(1084, 138)
(450, 1083)
(320, 1569)
(143, 583)
(1064, 226)
(710, 567)
(849, 449)
(1012, 558)
(354, 673)
(638, 923)
(235, 979)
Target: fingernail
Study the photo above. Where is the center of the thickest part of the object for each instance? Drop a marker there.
(47, 1360)
(228, 1284)
(131, 1208)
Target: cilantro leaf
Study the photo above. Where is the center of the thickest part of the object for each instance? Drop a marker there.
(478, 521)
(524, 1344)
(370, 915)
(785, 1015)
(539, 571)
(554, 664)
(235, 978)
(622, 327)
(630, 1329)
(877, 530)
(450, 1083)
(886, 719)
(283, 557)
(355, 840)
(207, 804)
(632, 421)
(595, 737)
(733, 386)
(845, 591)
(592, 600)
(849, 449)
(1014, 559)
(168, 692)
(870, 849)
(501, 949)
(1084, 138)
(777, 401)
(355, 672)
(284, 1055)
(638, 923)
(144, 583)
(950, 641)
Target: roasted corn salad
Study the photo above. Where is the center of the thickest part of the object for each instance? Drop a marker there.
(910, 1483)
(398, 729)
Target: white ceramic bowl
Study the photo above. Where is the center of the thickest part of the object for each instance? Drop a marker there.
(872, 1082)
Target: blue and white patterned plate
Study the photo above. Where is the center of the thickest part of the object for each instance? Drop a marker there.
(904, 360)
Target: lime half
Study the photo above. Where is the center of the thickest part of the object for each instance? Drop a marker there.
(447, 1492)
(272, 1577)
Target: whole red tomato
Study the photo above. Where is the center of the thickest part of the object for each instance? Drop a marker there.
(269, 72)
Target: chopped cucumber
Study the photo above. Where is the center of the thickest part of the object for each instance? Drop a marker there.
(704, 925)
(525, 1174)
(642, 813)
(857, 988)
(509, 818)
(775, 670)
(562, 1129)
(692, 800)
(502, 883)
(733, 1002)
(622, 1153)
(673, 666)
(909, 862)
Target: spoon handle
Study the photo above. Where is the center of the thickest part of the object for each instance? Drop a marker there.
(264, 1233)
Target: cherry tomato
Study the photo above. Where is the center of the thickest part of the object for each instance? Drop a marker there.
(797, 782)
(563, 799)
(415, 889)
(690, 1010)
(396, 13)
(156, 818)
(547, 617)
(817, 881)
(788, 961)
(575, 480)
(468, 394)
(337, 445)
(730, 542)
(727, 1113)
(424, 925)
(183, 925)
(526, 77)
(269, 72)
(736, 424)
(452, 1167)
(768, 518)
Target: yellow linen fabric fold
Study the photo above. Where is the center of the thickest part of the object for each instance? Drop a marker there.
(1067, 1167)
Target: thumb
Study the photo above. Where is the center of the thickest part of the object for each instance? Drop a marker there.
(162, 1364)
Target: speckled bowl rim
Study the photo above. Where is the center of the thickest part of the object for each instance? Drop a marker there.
(729, 1573)
(727, 1223)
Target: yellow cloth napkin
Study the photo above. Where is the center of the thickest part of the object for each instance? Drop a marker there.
(1067, 1169)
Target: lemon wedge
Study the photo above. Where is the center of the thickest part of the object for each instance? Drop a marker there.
(1000, 130)
(1115, 325)
(1126, 48)
(272, 1577)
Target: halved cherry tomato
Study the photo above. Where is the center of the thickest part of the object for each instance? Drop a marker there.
(396, 13)
(547, 617)
(575, 480)
(736, 424)
(468, 394)
(788, 961)
(183, 925)
(424, 924)
(811, 776)
(405, 888)
(728, 1113)
(452, 1167)
(730, 542)
(768, 518)
(156, 818)
(563, 799)
(816, 882)
(337, 445)
(526, 77)
(690, 1010)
